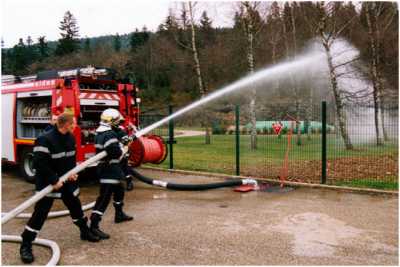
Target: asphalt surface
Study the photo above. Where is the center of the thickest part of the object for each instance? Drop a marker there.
(220, 227)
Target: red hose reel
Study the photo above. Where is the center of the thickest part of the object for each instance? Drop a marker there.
(147, 149)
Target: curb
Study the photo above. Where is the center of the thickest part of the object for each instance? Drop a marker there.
(298, 184)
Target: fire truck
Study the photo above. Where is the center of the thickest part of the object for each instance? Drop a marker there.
(30, 102)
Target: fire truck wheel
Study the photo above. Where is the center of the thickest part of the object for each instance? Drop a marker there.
(26, 165)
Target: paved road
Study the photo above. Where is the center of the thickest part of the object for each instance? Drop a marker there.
(222, 227)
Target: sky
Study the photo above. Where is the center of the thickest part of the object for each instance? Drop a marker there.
(20, 18)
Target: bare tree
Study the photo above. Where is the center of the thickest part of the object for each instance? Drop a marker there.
(329, 30)
(197, 65)
(376, 81)
(274, 33)
(379, 17)
(248, 20)
(290, 19)
(194, 50)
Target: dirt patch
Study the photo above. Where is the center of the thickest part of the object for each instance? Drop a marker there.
(383, 168)
(380, 168)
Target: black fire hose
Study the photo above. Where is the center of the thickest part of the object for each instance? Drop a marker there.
(191, 187)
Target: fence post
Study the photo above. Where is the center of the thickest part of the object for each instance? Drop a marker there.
(171, 139)
(237, 139)
(323, 143)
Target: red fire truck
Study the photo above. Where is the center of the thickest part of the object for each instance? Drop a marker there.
(28, 104)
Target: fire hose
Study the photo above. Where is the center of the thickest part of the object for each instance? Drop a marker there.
(191, 187)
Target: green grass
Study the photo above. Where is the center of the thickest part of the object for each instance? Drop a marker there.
(190, 153)
(366, 183)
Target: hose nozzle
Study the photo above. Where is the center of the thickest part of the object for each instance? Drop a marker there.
(250, 181)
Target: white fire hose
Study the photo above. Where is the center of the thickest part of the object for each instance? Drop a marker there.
(9, 215)
(53, 214)
(55, 249)
(31, 201)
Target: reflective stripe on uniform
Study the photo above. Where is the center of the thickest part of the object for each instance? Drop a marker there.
(31, 229)
(114, 161)
(98, 212)
(99, 146)
(70, 153)
(58, 155)
(58, 194)
(63, 154)
(55, 194)
(76, 192)
(109, 181)
(41, 149)
(111, 141)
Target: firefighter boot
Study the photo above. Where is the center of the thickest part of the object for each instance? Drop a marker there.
(120, 216)
(86, 234)
(94, 226)
(25, 251)
(129, 183)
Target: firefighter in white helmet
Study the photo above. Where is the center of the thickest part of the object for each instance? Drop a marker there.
(109, 171)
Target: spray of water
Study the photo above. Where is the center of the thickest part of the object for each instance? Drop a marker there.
(353, 82)
(260, 77)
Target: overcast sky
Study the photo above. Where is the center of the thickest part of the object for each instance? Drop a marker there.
(21, 18)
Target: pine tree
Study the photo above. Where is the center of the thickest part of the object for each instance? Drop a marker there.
(19, 58)
(117, 42)
(207, 34)
(31, 53)
(43, 48)
(29, 40)
(86, 45)
(205, 21)
(138, 38)
(69, 42)
(4, 58)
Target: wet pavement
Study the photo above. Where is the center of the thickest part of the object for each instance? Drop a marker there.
(221, 227)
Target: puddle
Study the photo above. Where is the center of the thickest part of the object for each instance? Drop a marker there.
(316, 234)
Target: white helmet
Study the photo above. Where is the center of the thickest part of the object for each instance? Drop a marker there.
(111, 117)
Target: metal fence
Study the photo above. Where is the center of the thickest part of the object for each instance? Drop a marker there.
(294, 142)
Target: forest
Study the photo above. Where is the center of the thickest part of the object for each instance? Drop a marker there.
(188, 56)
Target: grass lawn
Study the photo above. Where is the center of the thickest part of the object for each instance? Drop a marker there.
(385, 185)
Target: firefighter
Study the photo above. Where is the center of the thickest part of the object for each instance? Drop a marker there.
(52, 123)
(109, 171)
(123, 138)
(54, 155)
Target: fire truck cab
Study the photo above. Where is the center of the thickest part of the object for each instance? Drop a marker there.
(29, 103)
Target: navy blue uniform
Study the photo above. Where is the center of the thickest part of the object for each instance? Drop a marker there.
(53, 156)
(110, 173)
(124, 161)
